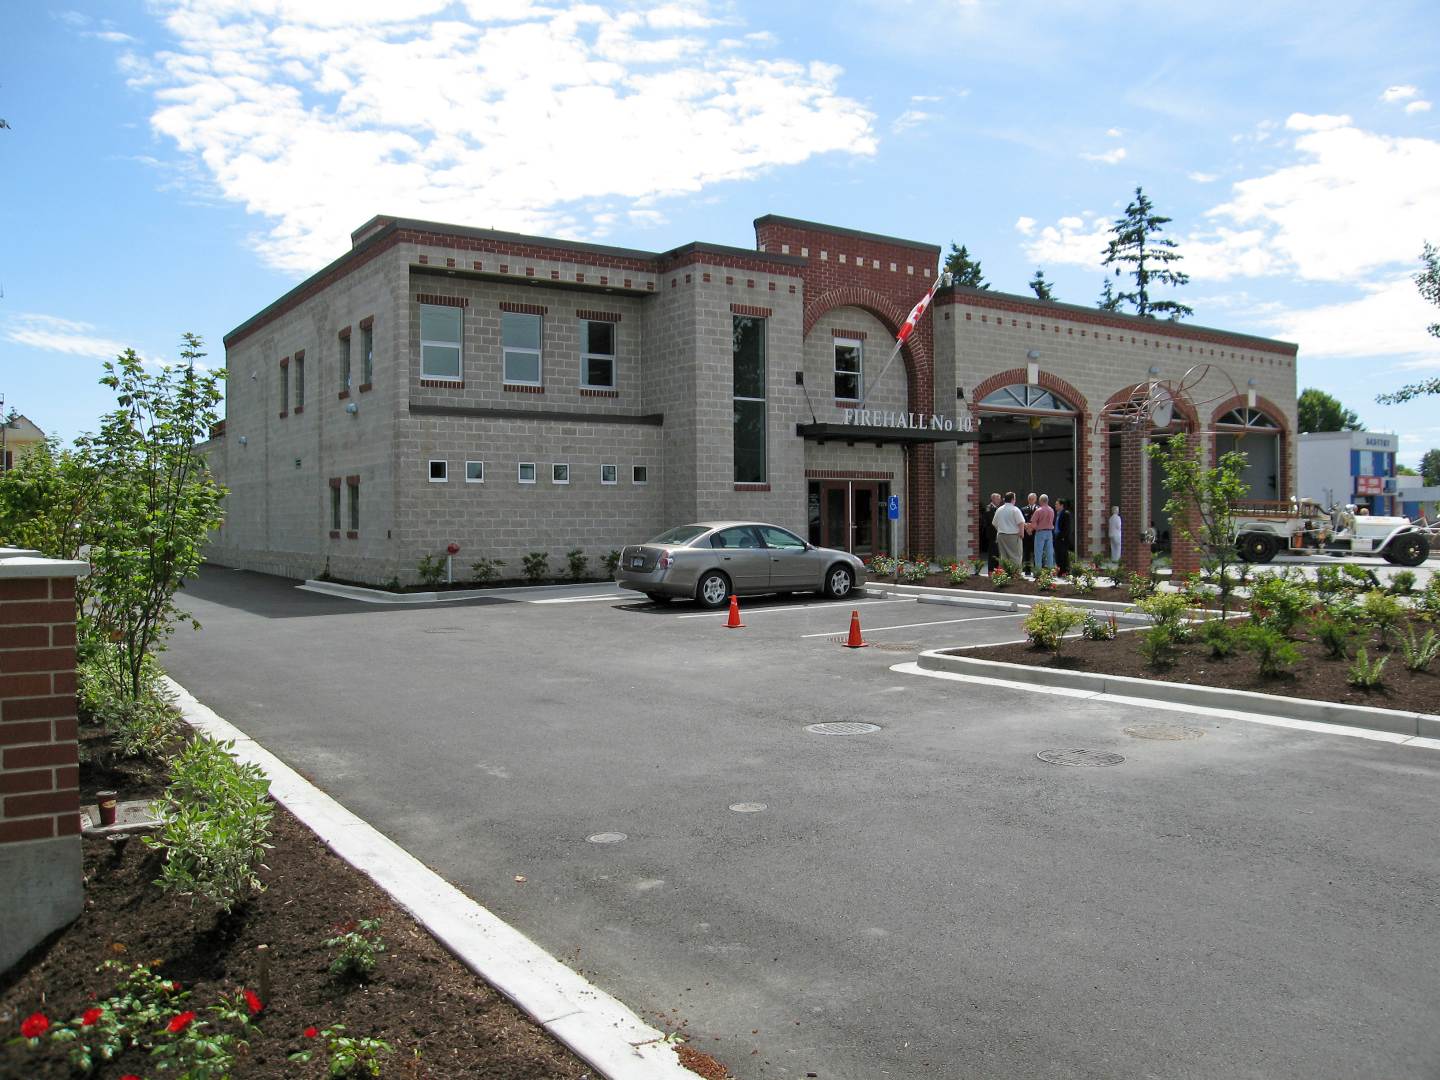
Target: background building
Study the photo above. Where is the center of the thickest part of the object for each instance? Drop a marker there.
(18, 436)
(1341, 467)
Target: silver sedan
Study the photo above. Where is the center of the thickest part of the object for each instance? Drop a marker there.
(712, 560)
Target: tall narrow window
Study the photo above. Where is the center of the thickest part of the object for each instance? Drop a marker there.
(367, 354)
(344, 361)
(299, 381)
(748, 365)
(520, 341)
(440, 329)
(335, 506)
(354, 485)
(285, 387)
(597, 354)
(848, 368)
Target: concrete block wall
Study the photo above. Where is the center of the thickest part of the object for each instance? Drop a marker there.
(40, 860)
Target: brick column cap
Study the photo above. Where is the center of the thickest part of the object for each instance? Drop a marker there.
(21, 563)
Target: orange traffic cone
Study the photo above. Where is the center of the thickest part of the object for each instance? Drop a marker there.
(855, 641)
(734, 623)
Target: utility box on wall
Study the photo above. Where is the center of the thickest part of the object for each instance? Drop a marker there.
(41, 887)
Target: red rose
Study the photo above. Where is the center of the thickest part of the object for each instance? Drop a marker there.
(129, 1076)
(91, 1016)
(310, 1032)
(34, 1025)
(181, 1022)
(252, 1002)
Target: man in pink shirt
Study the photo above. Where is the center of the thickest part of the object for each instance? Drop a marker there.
(1042, 526)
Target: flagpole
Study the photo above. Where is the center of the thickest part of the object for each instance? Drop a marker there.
(903, 337)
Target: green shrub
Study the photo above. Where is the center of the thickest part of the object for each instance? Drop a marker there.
(1279, 603)
(1000, 578)
(1429, 602)
(1366, 673)
(914, 569)
(537, 565)
(1328, 582)
(1139, 586)
(214, 824)
(145, 726)
(1359, 579)
(356, 958)
(1094, 628)
(1045, 579)
(1168, 610)
(1082, 580)
(432, 569)
(1274, 652)
(1419, 652)
(1336, 629)
(956, 574)
(486, 570)
(1402, 583)
(1383, 612)
(346, 1055)
(1220, 636)
(578, 562)
(611, 559)
(1159, 646)
(1011, 567)
(977, 566)
(1048, 623)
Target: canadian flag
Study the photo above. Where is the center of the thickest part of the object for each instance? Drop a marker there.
(918, 310)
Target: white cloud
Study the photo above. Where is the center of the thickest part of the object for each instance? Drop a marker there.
(1076, 241)
(1203, 177)
(1025, 226)
(532, 117)
(53, 334)
(908, 119)
(1388, 320)
(1398, 93)
(1418, 107)
(1114, 133)
(1109, 157)
(1317, 122)
(925, 99)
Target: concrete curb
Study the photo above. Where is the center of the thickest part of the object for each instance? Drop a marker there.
(1424, 725)
(597, 1027)
(383, 596)
(1025, 601)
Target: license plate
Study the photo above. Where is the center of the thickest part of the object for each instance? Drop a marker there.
(637, 562)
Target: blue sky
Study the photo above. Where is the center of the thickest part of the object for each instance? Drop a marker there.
(177, 165)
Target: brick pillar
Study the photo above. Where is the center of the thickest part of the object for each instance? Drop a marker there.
(921, 497)
(1134, 475)
(40, 861)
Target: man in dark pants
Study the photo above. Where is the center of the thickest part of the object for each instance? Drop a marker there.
(1031, 505)
(989, 541)
(1062, 536)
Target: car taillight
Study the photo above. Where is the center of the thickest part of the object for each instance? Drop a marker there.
(664, 561)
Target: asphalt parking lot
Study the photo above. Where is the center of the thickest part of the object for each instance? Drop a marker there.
(927, 899)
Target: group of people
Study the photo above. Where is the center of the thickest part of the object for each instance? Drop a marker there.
(1034, 535)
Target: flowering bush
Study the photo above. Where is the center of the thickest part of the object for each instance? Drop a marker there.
(345, 1055)
(1045, 579)
(1094, 628)
(915, 569)
(956, 574)
(356, 958)
(881, 565)
(1001, 578)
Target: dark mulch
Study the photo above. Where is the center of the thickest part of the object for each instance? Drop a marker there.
(1316, 676)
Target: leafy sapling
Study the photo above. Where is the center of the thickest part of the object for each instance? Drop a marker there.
(358, 948)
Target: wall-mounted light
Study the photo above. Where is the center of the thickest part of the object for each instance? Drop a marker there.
(1033, 354)
(1154, 370)
(959, 393)
(1251, 382)
(352, 408)
(244, 440)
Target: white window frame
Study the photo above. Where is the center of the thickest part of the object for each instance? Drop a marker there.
(431, 471)
(555, 474)
(474, 479)
(859, 347)
(614, 474)
(636, 470)
(506, 350)
(586, 357)
(458, 346)
(520, 472)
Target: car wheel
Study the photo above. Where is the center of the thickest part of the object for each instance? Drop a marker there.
(713, 589)
(838, 582)
(1409, 550)
(1256, 548)
(657, 598)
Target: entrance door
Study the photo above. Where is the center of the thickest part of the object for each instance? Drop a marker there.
(851, 516)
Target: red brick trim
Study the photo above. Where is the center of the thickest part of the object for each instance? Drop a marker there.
(299, 355)
(367, 322)
(598, 316)
(334, 534)
(424, 260)
(345, 332)
(217, 429)
(752, 487)
(283, 415)
(751, 311)
(846, 474)
(585, 391)
(847, 403)
(285, 361)
(513, 388)
(352, 534)
(858, 334)
(366, 387)
(523, 309)
(299, 409)
(343, 394)
(353, 480)
(440, 301)
(334, 481)
(439, 384)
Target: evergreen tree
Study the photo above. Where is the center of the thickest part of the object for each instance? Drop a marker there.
(1428, 282)
(1108, 300)
(1319, 411)
(1135, 245)
(1040, 287)
(1430, 468)
(966, 271)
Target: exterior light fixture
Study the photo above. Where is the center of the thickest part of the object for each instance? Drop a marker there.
(352, 408)
(1154, 370)
(244, 440)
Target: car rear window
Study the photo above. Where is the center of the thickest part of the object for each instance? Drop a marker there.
(681, 534)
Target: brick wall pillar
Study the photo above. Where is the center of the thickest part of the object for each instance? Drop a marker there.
(40, 862)
(1134, 477)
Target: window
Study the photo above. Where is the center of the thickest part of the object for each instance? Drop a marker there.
(559, 474)
(285, 387)
(335, 506)
(740, 536)
(345, 361)
(299, 381)
(848, 368)
(367, 355)
(440, 329)
(609, 474)
(748, 369)
(354, 483)
(527, 472)
(597, 354)
(779, 538)
(439, 471)
(640, 474)
(520, 343)
(474, 472)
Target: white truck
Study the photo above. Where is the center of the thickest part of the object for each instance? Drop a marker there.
(1264, 529)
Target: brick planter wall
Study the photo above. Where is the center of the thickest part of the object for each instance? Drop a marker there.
(40, 863)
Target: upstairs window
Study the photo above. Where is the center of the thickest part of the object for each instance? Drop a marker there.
(848, 368)
(367, 354)
(597, 355)
(520, 343)
(440, 341)
(748, 371)
(285, 386)
(344, 369)
(299, 381)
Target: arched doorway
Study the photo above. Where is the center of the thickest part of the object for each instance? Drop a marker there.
(1257, 435)
(1181, 420)
(1028, 442)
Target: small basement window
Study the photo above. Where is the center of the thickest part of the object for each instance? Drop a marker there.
(474, 472)
(641, 474)
(439, 471)
(559, 474)
(609, 474)
(527, 472)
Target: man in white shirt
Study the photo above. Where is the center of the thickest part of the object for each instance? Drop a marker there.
(1009, 528)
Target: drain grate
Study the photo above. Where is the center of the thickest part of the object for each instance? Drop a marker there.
(841, 727)
(896, 646)
(1163, 731)
(606, 837)
(747, 807)
(1079, 757)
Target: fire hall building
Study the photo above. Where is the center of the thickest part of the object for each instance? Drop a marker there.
(439, 384)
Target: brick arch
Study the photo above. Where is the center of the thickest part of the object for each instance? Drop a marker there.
(1275, 413)
(1080, 505)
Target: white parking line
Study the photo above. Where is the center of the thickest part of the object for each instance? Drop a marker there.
(911, 626)
(832, 604)
(578, 599)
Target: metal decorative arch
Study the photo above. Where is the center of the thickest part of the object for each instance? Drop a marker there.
(1151, 404)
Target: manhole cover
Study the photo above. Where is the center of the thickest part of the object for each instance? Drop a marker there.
(1079, 757)
(747, 807)
(896, 646)
(606, 838)
(841, 727)
(1163, 731)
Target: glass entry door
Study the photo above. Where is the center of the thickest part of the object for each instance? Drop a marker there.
(852, 516)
